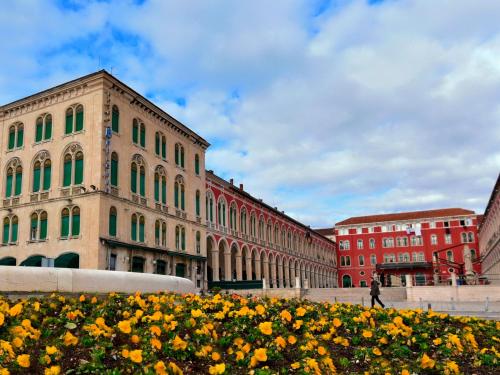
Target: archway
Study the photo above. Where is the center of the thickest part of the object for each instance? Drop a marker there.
(235, 262)
(346, 281)
(223, 249)
(212, 260)
(8, 261)
(67, 260)
(32, 261)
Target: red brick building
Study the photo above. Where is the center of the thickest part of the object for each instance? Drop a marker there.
(250, 240)
(428, 245)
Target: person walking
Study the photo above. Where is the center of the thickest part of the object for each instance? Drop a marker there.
(375, 292)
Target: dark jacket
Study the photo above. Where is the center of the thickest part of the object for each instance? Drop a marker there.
(374, 290)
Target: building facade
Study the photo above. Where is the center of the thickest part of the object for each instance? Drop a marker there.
(489, 237)
(93, 175)
(96, 176)
(429, 245)
(249, 240)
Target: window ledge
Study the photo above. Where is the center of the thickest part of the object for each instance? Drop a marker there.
(42, 142)
(74, 133)
(14, 149)
(37, 241)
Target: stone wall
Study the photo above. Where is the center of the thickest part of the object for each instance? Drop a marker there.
(462, 293)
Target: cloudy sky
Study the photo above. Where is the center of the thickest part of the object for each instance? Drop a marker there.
(326, 109)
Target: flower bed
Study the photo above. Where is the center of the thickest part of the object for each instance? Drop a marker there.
(174, 334)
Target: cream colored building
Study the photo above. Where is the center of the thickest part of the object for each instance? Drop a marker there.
(79, 195)
(489, 237)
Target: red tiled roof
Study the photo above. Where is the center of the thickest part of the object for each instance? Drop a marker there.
(325, 231)
(406, 216)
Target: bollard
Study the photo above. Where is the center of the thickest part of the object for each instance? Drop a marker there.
(335, 299)
(421, 304)
(429, 307)
(452, 304)
(486, 305)
(362, 301)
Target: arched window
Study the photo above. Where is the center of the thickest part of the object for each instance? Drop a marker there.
(137, 228)
(221, 212)
(464, 237)
(16, 136)
(276, 234)
(10, 230)
(197, 164)
(73, 166)
(74, 119)
(14, 178)
(197, 203)
(160, 185)
(449, 256)
(138, 175)
(179, 193)
(115, 119)
(179, 155)
(180, 238)
(209, 201)
(42, 170)
(261, 228)
(373, 259)
(160, 233)
(113, 216)
(232, 216)
(70, 222)
(434, 239)
(114, 169)
(243, 221)
(470, 237)
(43, 130)
(253, 225)
(161, 145)
(38, 226)
(198, 242)
(473, 254)
(138, 132)
(138, 264)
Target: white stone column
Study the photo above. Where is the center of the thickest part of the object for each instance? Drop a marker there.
(266, 271)
(280, 273)
(291, 266)
(239, 267)
(227, 266)
(248, 266)
(273, 272)
(215, 264)
(257, 266)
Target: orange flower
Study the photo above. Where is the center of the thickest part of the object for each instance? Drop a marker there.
(16, 310)
(377, 351)
(219, 368)
(337, 322)
(427, 362)
(53, 370)
(124, 326)
(292, 340)
(215, 356)
(280, 341)
(23, 360)
(51, 350)
(260, 355)
(2, 319)
(160, 368)
(285, 315)
(155, 343)
(367, 334)
(239, 355)
(135, 339)
(266, 328)
(125, 353)
(155, 330)
(69, 339)
(321, 350)
(301, 311)
(260, 309)
(178, 343)
(136, 356)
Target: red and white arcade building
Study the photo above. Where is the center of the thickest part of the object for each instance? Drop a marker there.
(249, 240)
(428, 245)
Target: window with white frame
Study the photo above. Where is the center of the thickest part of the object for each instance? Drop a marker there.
(360, 244)
(447, 238)
(372, 243)
(434, 240)
(373, 259)
(361, 260)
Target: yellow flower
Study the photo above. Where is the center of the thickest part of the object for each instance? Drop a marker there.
(367, 334)
(155, 330)
(292, 340)
(452, 367)
(125, 353)
(266, 328)
(383, 340)
(16, 310)
(17, 342)
(135, 339)
(53, 370)
(280, 341)
(260, 309)
(93, 300)
(2, 319)
(337, 322)
(427, 362)
(437, 341)
(178, 343)
(51, 350)
(377, 351)
(295, 365)
(136, 356)
(285, 315)
(174, 368)
(260, 354)
(82, 298)
(196, 313)
(160, 368)
(124, 326)
(155, 343)
(23, 360)
(215, 356)
(219, 368)
(321, 350)
(405, 372)
(239, 355)
(301, 311)
(69, 339)
(246, 348)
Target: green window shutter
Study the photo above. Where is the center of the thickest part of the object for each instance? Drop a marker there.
(64, 225)
(39, 131)
(114, 172)
(14, 232)
(176, 195)
(182, 157)
(12, 138)
(69, 123)
(115, 121)
(133, 180)
(141, 232)
(135, 133)
(19, 183)
(157, 234)
(142, 185)
(143, 136)
(198, 205)
(48, 129)
(197, 165)
(43, 229)
(224, 215)
(78, 171)
(67, 173)
(183, 239)
(133, 230)
(182, 198)
(163, 149)
(8, 186)
(176, 154)
(163, 191)
(36, 180)
(79, 121)
(157, 144)
(6, 230)
(157, 189)
(34, 225)
(75, 227)
(47, 174)
(112, 224)
(211, 211)
(20, 137)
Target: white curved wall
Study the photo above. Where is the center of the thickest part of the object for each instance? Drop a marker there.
(43, 279)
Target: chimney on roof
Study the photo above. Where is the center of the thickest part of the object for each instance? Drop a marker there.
(241, 186)
(231, 181)
(211, 171)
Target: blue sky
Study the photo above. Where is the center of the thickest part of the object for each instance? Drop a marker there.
(326, 109)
